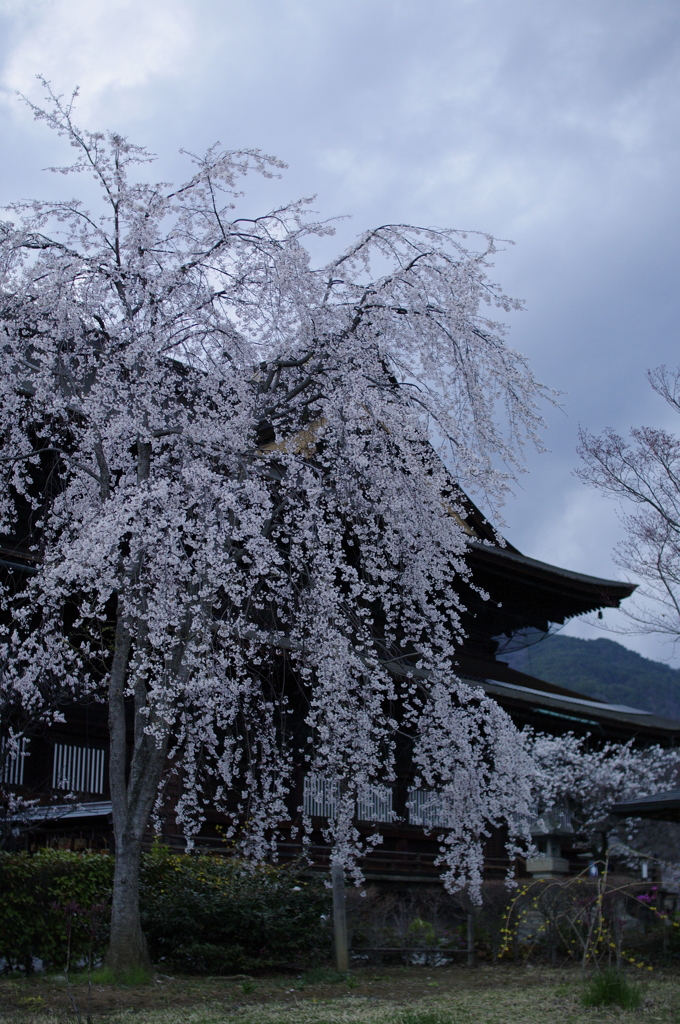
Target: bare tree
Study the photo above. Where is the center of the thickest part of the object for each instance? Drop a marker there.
(643, 474)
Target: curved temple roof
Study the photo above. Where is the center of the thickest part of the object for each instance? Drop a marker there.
(660, 806)
(546, 592)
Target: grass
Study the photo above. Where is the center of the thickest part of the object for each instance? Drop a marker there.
(319, 976)
(105, 976)
(322, 976)
(611, 988)
(389, 995)
(427, 1017)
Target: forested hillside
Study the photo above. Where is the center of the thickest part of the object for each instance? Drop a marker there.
(604, 669)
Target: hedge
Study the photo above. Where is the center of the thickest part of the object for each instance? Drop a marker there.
(217, 915)
(43, 896)
(200, 913)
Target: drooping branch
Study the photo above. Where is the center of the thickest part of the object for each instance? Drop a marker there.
(244, 452)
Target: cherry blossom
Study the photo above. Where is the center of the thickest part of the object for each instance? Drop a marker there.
(240, 478)
(588, 777)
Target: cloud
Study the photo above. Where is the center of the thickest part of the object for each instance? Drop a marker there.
(107, 47)
(575, 531)
(549, 123)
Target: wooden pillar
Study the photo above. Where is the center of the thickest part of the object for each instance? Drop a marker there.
(471, 940)
(339, 917)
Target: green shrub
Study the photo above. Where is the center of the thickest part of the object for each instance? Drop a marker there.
(216, 915)
(201, 914)
(611, 988)
(43, 896)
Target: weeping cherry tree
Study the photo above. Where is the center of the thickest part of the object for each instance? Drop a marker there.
(233, 470)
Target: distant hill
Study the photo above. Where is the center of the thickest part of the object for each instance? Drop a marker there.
(602, 669)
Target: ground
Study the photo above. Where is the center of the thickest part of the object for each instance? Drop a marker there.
(414, 995)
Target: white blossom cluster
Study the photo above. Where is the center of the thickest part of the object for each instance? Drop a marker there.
(242, 531)
(587, 778)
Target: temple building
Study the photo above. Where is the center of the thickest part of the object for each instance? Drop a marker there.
(512, 593)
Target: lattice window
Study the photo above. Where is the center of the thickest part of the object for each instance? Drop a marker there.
(375, 804)
(12, 764)
(78, 769)
(321, 795)
(429, 807)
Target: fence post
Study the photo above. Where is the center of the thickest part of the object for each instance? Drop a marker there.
(471, 940)
(339, 917)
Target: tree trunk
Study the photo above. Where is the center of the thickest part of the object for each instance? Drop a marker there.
(133, 793)
(127, 945)
(339, 917)
(131, 813)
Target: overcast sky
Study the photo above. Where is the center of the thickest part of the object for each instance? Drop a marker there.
(553, 123)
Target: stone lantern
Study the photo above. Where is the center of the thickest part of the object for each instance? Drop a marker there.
(548, 831)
